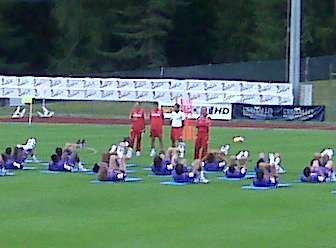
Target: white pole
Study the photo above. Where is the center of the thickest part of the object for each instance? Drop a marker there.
(30, 113)
(295, 54)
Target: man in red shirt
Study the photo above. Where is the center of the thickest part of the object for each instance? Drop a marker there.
(203, 127)
(156, 120)
(137, 117)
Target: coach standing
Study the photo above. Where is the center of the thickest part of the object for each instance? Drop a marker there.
(137, 117)
(202, 141)
(177, 123)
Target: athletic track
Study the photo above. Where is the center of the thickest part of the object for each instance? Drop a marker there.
(228, 124)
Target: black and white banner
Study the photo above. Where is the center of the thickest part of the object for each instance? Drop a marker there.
(165, 91)
(280, 113)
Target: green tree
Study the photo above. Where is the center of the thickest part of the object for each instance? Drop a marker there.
(319, 28)
(26, 33)
(192, 39)
(270, 31)
(141, 30)
(234, 30)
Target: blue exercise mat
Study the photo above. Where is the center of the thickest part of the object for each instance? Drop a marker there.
(174, 183)
(53, 172)
(29, 168)
(237, 179)
(89, 173)
(44, 163)
(66, 172)
(326, 182)
(127, 180)
(133, 165)
(6, 174)
(213, 172)
(165, 176)
(280, 185)
(32, 161)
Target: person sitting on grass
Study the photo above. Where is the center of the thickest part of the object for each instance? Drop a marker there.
(238, 166)
(215, 160)
(266, 176)
(164, 163)
(196, 175)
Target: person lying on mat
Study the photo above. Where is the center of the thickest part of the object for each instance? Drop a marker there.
(2, 164)
(326, 155)
(272, 158)
(122, 152)
(237, 167)
(165, 162)
(58, 164)
(215, 160)
(8, 159)
(196, 175)
(161, 166)
(275, 158)
(14, 158)
(29, 148)
(308, 176)
(19, 156)
(317, 169)
(111, 168)
(67, 159)
(266, 176)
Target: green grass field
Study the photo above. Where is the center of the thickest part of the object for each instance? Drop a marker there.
(38, 210)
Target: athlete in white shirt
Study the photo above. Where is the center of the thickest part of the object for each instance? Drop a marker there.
(177, 123)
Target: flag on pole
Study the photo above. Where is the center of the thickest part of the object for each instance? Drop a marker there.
(27, 100)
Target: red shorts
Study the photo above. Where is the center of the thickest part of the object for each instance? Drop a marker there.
(176, 133)
(156, 133)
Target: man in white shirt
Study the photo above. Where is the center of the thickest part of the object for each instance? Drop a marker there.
(177, 123)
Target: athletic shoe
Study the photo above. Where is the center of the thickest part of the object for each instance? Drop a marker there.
(203, 180)
(182, 148)
(17, 165)
(138, 153)
(225, 149)
(81, 167)
(34, 158)
(152, 152)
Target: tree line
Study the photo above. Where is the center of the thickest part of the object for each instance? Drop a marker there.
(82, 36)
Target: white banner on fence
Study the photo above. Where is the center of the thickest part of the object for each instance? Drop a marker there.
(216, 111)
(165, 91)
